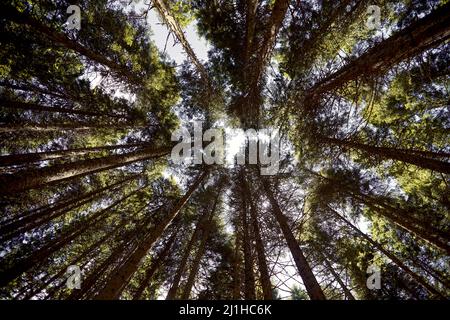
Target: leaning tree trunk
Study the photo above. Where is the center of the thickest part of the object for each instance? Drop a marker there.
(392, 154)
(27, 158)
(206, 229)
(260, 251)
(123, 273)
(33, 178)
(421, 35)
(309, 280)
(20, 225)
(347, 292)
(249, 277)
(155, 266)
(390, 255)
(15, 270)
(61, 39)
(173, 291)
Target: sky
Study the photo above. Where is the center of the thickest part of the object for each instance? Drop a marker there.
(176, 52)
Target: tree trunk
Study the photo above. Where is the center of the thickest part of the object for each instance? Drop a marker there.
(40, 128)
(26, 223)
(12, 272)
(421, 35)
(309, 280)
(173, 291)
(237, 265)
(164, 11)
(61, 39)
(206, 229)
(33, 178)
(347, 292)
(390, 255)
(410, 157)
(27, 158)
(124, 272)
(260, 251)
(154, 267)
(249, 276)
(36, 107)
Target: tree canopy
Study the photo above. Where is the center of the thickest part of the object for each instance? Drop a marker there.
(87, 118)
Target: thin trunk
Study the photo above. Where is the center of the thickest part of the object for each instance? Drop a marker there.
(164, 10)
(260, 251)
(347, 292)
(76, 261)
(123, 273)
(33, 178)
(206, 229)
(61, 39)
(237, 266)
(249, 276)
(36, 107)
(404, 221)
(390, 255)
(173, 291)
(154, 267)
(309, 280)
(40, 128)
(276, 19)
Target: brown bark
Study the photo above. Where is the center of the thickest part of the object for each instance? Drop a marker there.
(173, 291)
(163, 8)
(32, 178)
(40, 128)
(122, 274)
(309, 280)
(154, 267)
(36, 107)
(76, 261)
(249, 276)
(347, 292)
(237, 266)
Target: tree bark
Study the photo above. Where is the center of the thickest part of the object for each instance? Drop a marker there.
(206, 229)
(124, 272)
(27, 158)
(33, 178)
(421, 35)
(20, 225)
(411, 157)
(63, 40)
(347, 292)
(390, 255)
(249, 276)
(309, 280)
(260, 251)
(15, 270)
(154, 267)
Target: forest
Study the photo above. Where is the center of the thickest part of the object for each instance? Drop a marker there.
(94, 207)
